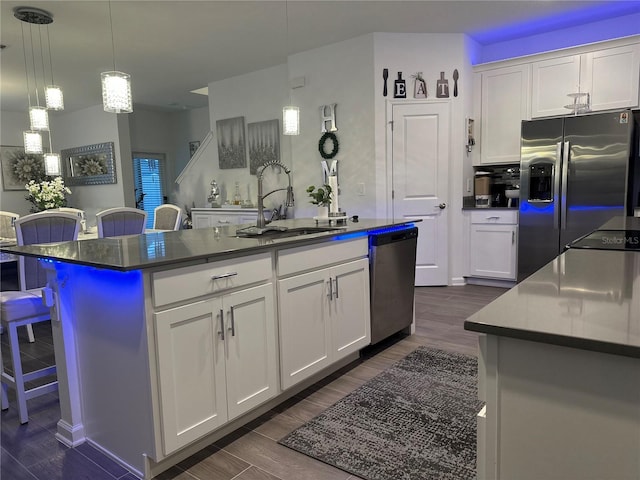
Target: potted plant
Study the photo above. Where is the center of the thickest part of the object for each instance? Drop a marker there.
(320, 197)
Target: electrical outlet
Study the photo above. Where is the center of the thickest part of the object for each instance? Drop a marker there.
(360, 188)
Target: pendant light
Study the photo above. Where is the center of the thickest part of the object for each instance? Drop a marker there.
(53, 93)
(290, 113)
(116, 86)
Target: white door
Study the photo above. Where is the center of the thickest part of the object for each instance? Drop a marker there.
(420, 163)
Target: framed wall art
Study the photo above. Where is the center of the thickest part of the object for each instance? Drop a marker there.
(193, 147)
(231, 143)
(89, 165)
(18, 168)
(264, 143)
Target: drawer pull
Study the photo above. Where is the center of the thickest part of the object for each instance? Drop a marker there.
(224, 275)
(494, 217)
(224, 222)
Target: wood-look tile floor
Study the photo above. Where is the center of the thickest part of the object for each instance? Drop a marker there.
(31, 452)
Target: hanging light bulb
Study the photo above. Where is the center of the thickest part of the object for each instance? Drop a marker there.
(53, 93)
(116, 86)
(54, 98)
(116, 92)
(52, 164)
(39, 118)
(291, 120)
(32, 142)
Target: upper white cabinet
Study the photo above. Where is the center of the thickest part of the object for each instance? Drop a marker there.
(504, 96)
(610, 77)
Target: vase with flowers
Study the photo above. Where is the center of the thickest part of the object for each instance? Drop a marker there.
(47, 194)
(320, 197)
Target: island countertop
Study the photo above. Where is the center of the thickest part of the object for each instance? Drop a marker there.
(135, 252)
(587, 299)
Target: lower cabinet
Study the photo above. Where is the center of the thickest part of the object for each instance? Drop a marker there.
(324, 316)
(493, 237)
(220, 217)
(217, 359)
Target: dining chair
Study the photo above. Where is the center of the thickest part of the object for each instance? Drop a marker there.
(7, 229)
(113, 222)
(167, 217)
(25, 307)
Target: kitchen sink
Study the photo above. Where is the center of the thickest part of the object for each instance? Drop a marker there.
(282, 232)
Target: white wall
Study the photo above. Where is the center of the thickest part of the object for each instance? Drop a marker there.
(187, 126)
(256, 96)
(86, 127)
(12, 124)
(591, 32)
(340, 73)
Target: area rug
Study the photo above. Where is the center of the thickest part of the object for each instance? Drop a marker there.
(414, 421)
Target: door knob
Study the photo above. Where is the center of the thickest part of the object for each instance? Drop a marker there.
(442, 206)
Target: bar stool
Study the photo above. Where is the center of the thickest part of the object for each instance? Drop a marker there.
(25, 307)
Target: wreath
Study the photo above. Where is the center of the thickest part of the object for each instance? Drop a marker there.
(336, 146)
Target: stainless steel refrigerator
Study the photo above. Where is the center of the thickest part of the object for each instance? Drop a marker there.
(576, 173)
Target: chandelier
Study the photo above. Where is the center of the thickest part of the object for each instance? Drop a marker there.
(53, 98)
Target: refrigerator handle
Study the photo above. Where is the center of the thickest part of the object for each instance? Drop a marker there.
(556, 186)
(565, 181)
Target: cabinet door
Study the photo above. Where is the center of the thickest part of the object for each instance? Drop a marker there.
(552, 80)
(612, 77)
(202, 220)
(191, 373)
(504, 104)
(251, 365)
(350, 319)
(305, 342)
(493, 251)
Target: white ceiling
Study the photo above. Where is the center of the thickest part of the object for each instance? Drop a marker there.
(173, 47)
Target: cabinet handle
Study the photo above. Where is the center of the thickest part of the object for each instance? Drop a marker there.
(494, 217)
(337, 296)
(221, 332)
(233, 322)
(513, 238)
(224, 222)
(330, 294)
(224, 275)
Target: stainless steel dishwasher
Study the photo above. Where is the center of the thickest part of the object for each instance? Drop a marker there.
(392, 270)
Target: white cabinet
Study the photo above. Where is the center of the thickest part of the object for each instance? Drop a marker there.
(493, 236)
(504, 103)
(610, 77)
(216, 359)
(324, 313)
(220, 217)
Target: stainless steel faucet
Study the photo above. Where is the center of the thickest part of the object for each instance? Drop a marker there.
(261, 223)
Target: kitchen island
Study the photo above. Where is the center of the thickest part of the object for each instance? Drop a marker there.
(559, 366)
(166, 342)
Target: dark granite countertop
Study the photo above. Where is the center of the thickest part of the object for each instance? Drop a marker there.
(152, 250)
(585, 298)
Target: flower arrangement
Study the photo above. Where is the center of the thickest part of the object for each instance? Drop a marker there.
(321, 196)
(47, 194)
